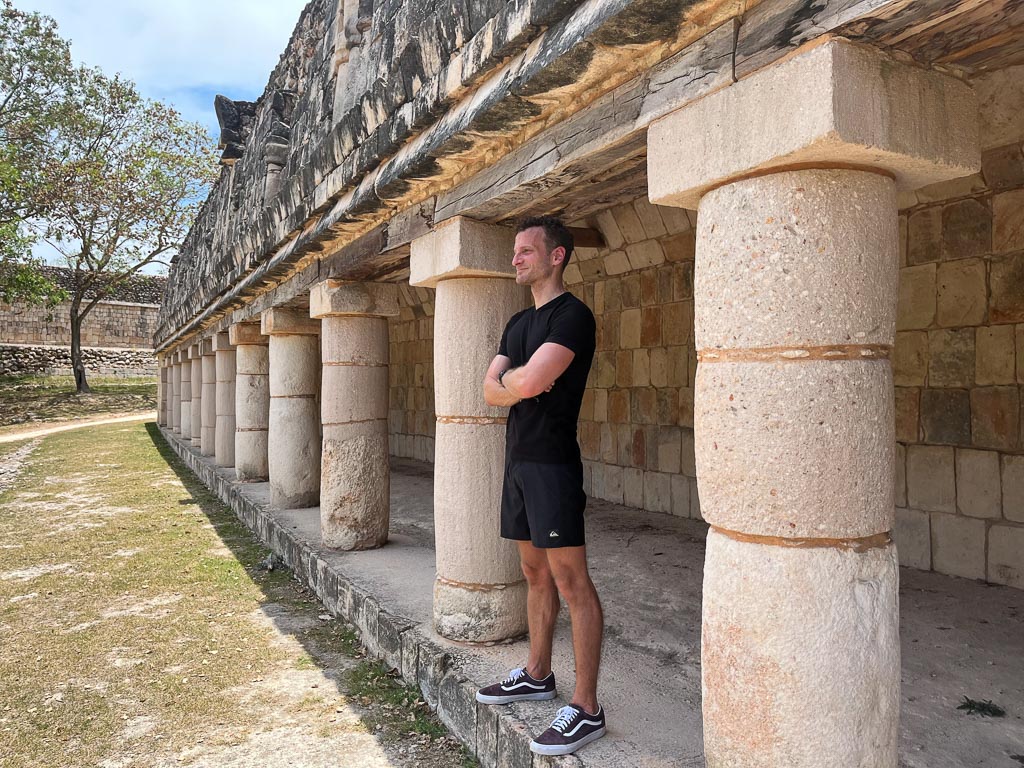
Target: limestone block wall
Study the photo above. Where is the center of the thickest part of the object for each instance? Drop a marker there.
(959, 375)
(109, 324)
(636, 424)
(411, 413)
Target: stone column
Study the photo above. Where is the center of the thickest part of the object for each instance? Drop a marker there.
(161, 390)
(252, 400)
(794, 174)
(195, 353)
(479, 592)
(224, 395)
(186, 395)
(354, 473)
(294, 435)
(175, 404)
(208, 413)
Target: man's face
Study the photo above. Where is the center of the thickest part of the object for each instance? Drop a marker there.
(531, 258)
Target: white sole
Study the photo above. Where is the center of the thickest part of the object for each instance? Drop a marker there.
(543, 696)
(565, 749)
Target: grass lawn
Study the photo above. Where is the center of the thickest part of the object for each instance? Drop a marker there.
(30, 399)
(138, 629)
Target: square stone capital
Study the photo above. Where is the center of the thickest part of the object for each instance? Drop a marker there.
(338, 297)
(206, 346)
(222, 342)
(838, 104)
(195, 351)
(178, 355)
(246, 333)
(285, 321)
(461, 247)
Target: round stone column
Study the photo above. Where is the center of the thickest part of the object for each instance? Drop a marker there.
(161, 384)
(795, 289)
(294, 430)
(186, 397)
(479, 591)
(208, 417)
(175, 404)
(355, 479)
(795, 307)
(195, 354)
(252, 400)
(224, 395)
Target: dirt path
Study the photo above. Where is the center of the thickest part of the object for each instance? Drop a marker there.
(28, 431)
(142, 626)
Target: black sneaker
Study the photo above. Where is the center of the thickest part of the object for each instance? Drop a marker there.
(518, 686)
(570, 730)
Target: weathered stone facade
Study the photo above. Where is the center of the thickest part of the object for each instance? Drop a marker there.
(802, 254)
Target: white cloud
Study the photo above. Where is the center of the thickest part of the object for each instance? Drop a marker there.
(179, 51)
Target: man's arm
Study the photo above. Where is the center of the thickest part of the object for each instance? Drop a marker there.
(540, 372)
(494, 392)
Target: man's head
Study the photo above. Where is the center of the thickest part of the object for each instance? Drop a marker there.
(543, 248)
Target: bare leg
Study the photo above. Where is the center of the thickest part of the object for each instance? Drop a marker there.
(569, 568)
(542, 608)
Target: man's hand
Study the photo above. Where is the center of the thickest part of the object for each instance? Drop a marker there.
(495, 392)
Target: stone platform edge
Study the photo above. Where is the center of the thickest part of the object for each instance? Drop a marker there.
(496, 738)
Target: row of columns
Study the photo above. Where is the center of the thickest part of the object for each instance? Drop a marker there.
(795, 299)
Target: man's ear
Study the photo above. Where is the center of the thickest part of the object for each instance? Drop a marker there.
(558, 255)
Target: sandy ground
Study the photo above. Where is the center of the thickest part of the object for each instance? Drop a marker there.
(30, 431)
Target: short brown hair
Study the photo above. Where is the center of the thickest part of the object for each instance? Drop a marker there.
(555, 233)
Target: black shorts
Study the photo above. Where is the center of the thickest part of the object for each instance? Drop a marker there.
(543, 503)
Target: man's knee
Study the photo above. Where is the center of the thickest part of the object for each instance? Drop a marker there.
(537, 573)
(573, 584)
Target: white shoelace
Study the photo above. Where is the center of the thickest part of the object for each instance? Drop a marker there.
(563, 717)
(514, 675)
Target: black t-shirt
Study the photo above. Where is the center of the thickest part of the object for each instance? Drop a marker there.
(543, 428)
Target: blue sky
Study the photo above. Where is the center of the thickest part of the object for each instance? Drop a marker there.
(179, 51)
(182, 52)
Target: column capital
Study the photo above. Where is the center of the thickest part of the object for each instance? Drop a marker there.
(247, 333)
(337, 297)
(222, 341)
(195, 350)
(838, 104)
(206, 346)
(461, 247)
(181, 355)
(285, 321)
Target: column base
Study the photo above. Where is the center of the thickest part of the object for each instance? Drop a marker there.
(251, 456)
(479, 613)
(800, 655)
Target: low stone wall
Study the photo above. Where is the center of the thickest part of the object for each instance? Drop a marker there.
(20, 359)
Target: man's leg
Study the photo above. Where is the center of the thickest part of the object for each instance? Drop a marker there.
(542, 608)
(569, 568)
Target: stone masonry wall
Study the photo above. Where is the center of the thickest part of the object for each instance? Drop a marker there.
(109, 324)
(16, 360)
(411, 415)
(959, 375)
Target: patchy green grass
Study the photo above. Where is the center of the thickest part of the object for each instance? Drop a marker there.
(137, 628)
(30, 399)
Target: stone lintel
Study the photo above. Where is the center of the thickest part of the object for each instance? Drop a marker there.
(222, 341)
(461, 247)
(838, 104)
(247, 333)
(285, 321)
(339, 297)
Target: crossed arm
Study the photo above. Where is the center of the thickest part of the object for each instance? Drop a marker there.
(537, 376)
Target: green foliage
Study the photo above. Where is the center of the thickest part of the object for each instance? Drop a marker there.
(109, 179)
(984, 708)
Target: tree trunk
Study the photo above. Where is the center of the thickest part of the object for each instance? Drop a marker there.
(81, 385)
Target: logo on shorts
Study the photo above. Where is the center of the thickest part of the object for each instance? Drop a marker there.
(553, 535)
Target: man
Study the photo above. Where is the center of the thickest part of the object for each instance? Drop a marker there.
(540, 372)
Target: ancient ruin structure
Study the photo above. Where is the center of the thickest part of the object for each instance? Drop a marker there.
(117, 334)
(801, 230)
